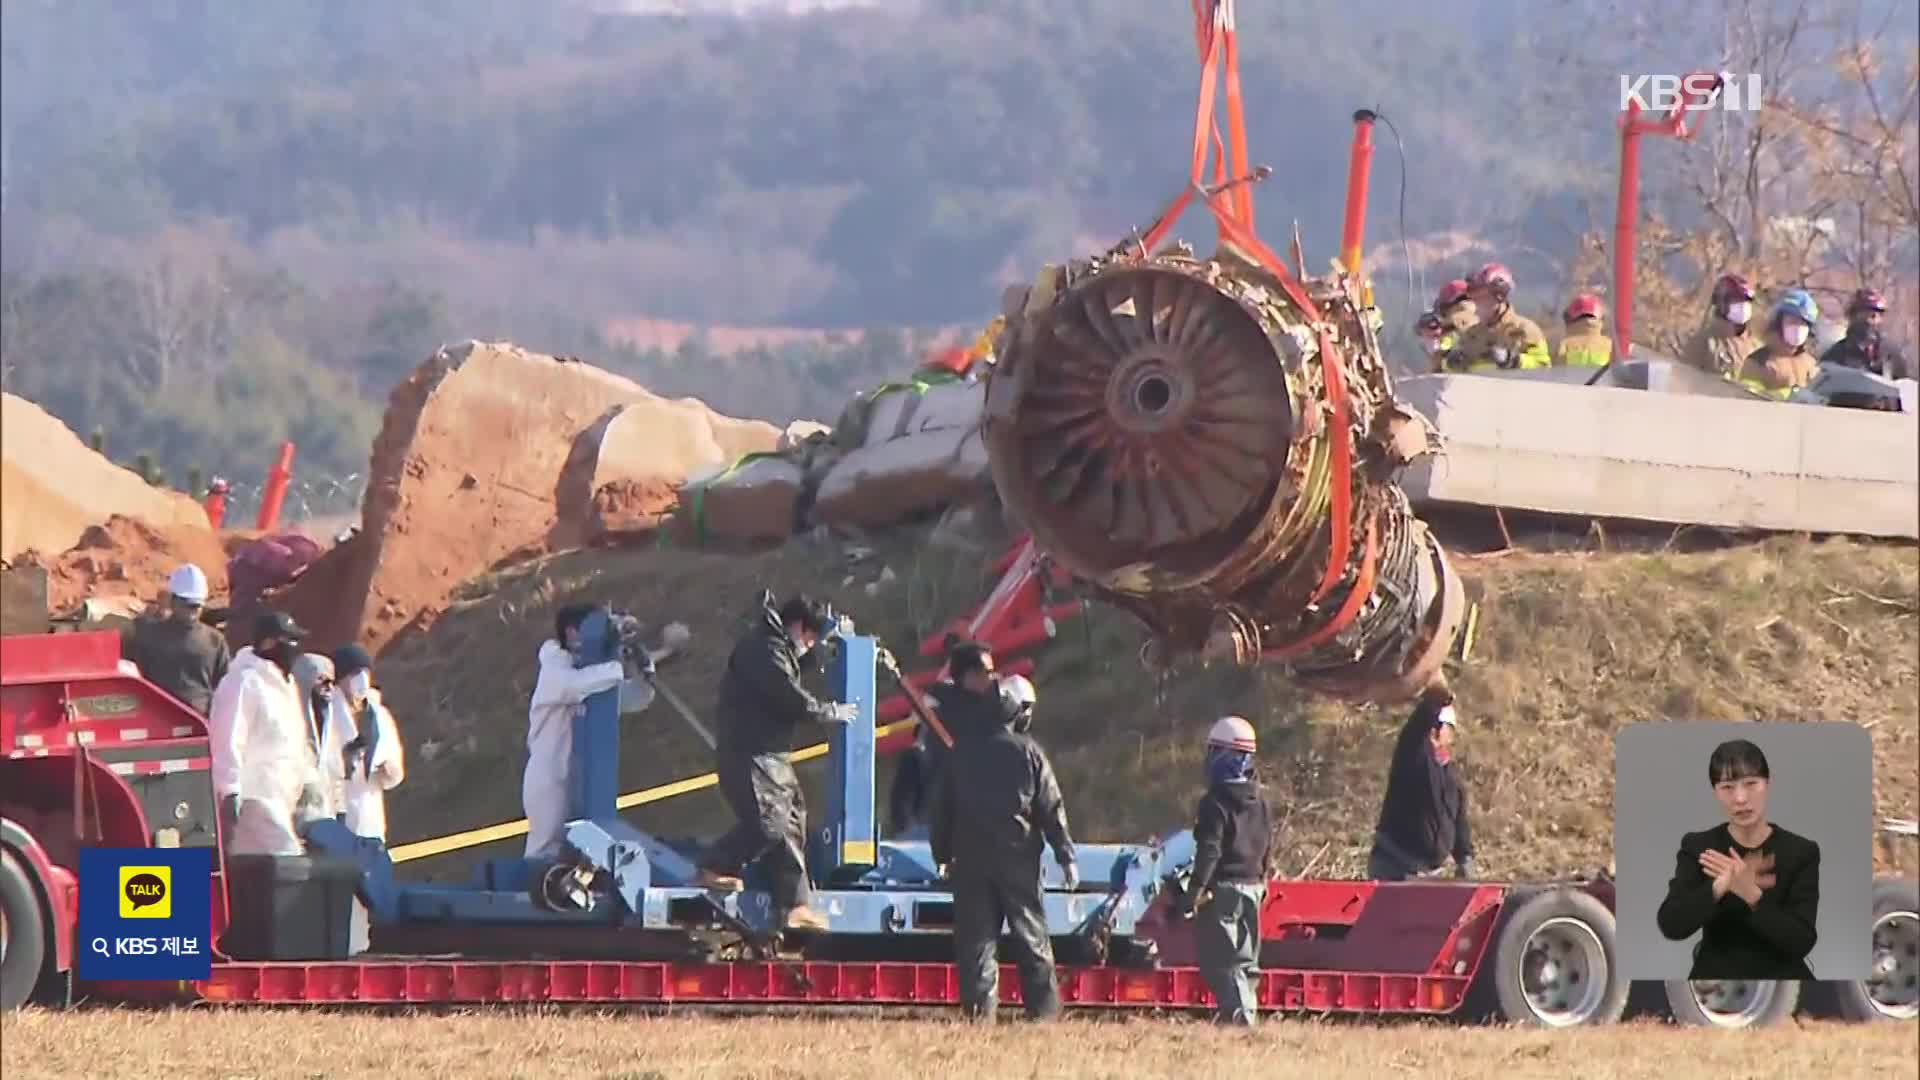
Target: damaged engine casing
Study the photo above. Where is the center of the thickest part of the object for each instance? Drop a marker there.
(1163, 425)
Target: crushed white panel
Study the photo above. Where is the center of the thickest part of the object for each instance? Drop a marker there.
(1676, 458)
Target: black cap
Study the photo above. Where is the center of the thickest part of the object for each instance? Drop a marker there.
(812, 615)
(348, 659)
(277, 624)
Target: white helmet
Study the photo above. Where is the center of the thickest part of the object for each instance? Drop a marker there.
(1017, 697)
(188, 583)
(1232, 731)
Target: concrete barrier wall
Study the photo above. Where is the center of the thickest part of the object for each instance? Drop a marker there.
(1665, 457)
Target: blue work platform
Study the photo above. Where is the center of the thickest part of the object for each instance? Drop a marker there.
(864, 886)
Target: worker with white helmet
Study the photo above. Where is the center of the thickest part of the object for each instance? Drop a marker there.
(995, 802)
(174, 649)
(1424, 816)
(1232, 861)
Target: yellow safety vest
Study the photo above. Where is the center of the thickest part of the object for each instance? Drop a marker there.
(1586, 350)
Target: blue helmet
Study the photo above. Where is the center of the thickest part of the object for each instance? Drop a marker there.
(1797, 303)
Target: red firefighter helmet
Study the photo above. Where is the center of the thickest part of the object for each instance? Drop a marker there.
(1584, 306)
(1866, 300)
(1731, 288)
(1450, 294)
(1494, 279)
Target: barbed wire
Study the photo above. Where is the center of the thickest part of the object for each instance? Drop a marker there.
(307, 498)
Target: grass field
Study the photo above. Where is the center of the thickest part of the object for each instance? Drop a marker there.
(163, 1045)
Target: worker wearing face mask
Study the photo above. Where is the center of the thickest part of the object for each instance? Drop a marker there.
(263, 759)
(1725, 340)
(1784, 361)
(360, 749)
(762, 706)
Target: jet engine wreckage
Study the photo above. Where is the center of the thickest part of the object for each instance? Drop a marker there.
(1212, 444)
(1218, 463)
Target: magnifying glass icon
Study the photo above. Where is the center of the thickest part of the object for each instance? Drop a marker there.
(100, 946)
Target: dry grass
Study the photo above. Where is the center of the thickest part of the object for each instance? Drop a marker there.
(580, 1046)
(1571, 647)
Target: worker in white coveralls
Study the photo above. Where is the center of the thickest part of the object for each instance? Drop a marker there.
(263, 758)
(360, 746)
(558, 696)
(361, 756)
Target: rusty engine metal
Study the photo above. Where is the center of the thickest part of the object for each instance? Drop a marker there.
(1164, 425)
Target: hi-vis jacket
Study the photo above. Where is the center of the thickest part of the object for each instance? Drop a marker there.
(1587, 347)
(1508, 342)
(1777, 370)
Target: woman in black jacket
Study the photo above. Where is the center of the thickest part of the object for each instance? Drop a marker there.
(1749, 888)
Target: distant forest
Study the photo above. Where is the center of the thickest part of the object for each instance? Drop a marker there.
(225, 224)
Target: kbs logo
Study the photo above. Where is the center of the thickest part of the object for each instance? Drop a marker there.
(1691, 93)
(146, 892)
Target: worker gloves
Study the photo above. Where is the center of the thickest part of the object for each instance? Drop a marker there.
(1070, 872)
(843, 712)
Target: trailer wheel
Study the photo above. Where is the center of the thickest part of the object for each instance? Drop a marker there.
(1892, 990)
(1732, 1003)
(1555, 962)
(22, 937)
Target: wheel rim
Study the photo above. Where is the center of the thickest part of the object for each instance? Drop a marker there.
(1733, 1002)
(1563, 972)
(1894, 987)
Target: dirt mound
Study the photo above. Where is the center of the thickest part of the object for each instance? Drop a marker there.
(55, 487)
(1571, 647)
(126, 558)
(471, 469)
(628, 509)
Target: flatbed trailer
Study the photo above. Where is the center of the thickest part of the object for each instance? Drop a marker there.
(91, 754)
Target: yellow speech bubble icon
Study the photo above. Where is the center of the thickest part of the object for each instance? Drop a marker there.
(146, 892)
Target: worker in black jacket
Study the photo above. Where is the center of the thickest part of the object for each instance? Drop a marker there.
(995, 802)
(1864, 347)
(1424, 817)
(966, 703)
(761, 703)
(1749, 888)
(175, 649)
(1232, 837)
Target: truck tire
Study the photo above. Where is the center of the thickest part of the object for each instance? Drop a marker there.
(1892, 992)
(23, 944)
(1555, 962)
(1732, 1003)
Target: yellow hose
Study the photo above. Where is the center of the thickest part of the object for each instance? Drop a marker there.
(421, 849)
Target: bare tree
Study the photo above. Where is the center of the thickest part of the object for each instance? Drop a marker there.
(180, 311)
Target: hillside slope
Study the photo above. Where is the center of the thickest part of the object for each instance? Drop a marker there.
(1571, 646)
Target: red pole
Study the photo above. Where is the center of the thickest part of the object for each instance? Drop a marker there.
(216, 502)
(1624, 215)
(276, 490)
(1359, 164)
